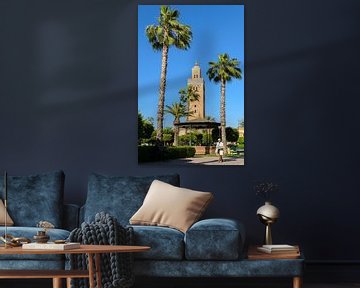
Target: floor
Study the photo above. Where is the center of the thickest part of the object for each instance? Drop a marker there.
(240, 283)
(283, 285)
(247, 284)
(343, 285)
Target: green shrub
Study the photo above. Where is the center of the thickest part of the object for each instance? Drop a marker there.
(148, 154)
(186, 139)
(241, 140)
(232, 134)
(206, 139)
(179, 152)
(152, 153)
(190, 151)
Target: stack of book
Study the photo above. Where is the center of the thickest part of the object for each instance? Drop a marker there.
(273, 252)
(279, 249)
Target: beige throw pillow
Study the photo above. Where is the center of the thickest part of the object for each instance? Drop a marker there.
(9, 221)
(170, 206)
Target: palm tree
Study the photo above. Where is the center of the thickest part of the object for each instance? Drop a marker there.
(169, 32)
(178, 110)
(188, 94)
(223, 71)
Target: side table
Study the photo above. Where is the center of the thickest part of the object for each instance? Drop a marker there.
(288, 259)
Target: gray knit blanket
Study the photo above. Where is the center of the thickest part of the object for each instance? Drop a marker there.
(116, 268)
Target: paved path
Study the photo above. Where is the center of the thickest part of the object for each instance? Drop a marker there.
(228, 161)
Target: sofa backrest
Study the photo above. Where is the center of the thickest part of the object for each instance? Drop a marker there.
(35, 198)
(70, 219)
(120, 196)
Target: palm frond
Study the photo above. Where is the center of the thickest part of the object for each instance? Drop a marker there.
(188, 94)
(153, 34)
(177, 110)
(224, 69)
(169, 31)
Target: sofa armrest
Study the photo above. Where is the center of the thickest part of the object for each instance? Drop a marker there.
(71, 216)
(215, 239)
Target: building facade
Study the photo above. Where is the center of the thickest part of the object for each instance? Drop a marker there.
(197, 107)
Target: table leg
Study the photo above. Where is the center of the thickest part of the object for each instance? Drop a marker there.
(68, 282)
(98, 270)
(297, 282)
(91, 270)
(57, 283)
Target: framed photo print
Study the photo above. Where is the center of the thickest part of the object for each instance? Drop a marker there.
(191, 85)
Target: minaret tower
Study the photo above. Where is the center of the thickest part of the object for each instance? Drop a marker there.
(197, 107)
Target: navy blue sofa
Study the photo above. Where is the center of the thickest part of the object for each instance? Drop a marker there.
(210, 248)
(32, 199)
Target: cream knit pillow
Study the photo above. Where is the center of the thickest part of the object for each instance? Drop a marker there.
(170, 206)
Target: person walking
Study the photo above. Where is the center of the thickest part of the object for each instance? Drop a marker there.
(220, 150)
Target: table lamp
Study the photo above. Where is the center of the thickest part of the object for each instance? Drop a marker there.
(268, 214)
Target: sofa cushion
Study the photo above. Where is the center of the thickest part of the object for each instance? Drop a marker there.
(119, 196)
(9, 221)
(214, 239)
(170, 206)
(35, 198)
(29, 232)
(165, 243)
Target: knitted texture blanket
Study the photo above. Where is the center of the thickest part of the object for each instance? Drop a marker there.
(116, 268)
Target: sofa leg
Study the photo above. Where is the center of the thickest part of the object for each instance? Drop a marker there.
(57, 283)
(297, 282)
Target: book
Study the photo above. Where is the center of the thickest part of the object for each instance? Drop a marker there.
(51, 246)
(277, 249)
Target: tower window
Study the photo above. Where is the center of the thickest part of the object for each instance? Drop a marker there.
(195, 106)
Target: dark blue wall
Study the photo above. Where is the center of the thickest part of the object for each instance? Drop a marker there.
(68, 100)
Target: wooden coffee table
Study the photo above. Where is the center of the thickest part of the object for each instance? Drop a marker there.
(92, 251)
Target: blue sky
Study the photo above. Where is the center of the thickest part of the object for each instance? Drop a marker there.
(216, 29)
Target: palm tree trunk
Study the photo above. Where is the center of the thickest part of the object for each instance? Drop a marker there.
(161, 101)
(223, 116)
(176, 134)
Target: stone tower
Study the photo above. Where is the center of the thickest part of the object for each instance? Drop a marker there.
(197, 107)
